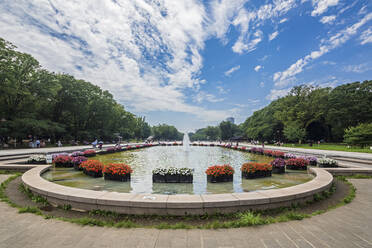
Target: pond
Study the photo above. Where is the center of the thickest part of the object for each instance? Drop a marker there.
(143, 161)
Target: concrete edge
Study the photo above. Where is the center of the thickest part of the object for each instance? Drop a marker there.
(173, 204)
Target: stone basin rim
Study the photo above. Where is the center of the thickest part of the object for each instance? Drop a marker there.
(179, 204)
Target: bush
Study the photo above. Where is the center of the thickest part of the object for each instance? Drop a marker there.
(360, 135)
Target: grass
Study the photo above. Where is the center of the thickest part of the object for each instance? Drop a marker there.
(331, 147)
(214, 221)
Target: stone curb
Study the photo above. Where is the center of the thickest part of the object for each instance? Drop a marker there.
(174, 204)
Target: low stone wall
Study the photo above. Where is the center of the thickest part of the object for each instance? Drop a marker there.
(174, 204)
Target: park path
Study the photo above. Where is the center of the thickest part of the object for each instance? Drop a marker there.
(347, 226)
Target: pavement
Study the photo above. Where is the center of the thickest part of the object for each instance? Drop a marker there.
(346, 226)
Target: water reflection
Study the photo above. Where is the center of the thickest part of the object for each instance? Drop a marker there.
(199, 158)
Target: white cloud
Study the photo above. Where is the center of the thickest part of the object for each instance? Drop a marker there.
(258, 67)
(262, 84)
(145, 53)
(283, 20)
(357, 68)
(328, 19)
(281, 78)
(232, 70)
(366, 37)
(273, 35)
(321, 6)
(222, 90)
(248, 22)
(203, 96)
(275, 94)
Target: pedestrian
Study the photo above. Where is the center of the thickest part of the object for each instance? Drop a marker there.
(59, 143)
(37, 143)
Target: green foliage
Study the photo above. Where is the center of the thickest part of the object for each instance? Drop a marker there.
(360, 135)
(293, 132)
(312, 113)
(36, 102)
(166, 132)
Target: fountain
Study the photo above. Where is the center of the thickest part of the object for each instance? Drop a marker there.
(186, 142)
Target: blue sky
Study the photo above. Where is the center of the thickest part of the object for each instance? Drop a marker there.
(193, 63)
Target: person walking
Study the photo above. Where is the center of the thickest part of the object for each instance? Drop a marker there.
(37, 143)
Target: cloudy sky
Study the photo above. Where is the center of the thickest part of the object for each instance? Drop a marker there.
(193, 63)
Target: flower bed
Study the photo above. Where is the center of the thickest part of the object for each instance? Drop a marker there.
(278, 154)
(297, 164)
(220, 173)
(327, 162)
(257, 150)
(243, 148)
(76, 161)
(289, 155)
(63, 161)
(89, 153)
(252, 170)
(117, 172)
(36, 159)
(172, 175)
(110, 150)
(278, 165)
(92, 168)
(268, 153)
(76, 154)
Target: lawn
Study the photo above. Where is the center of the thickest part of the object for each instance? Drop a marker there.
(331, 146)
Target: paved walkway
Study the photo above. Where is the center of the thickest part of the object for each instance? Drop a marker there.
(347, 226)
(355, 155)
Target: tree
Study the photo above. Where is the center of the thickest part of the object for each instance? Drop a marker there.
(359, 135)
(294, 132)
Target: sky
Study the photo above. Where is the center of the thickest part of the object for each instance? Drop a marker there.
(192, 63)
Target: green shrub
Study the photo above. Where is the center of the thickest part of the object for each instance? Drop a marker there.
(360, 135)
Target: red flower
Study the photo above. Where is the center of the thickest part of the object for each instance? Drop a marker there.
(252, 167)
(92, 165)
(219, 170)
(117, 169)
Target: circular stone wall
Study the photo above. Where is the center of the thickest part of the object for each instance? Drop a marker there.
(174, 204)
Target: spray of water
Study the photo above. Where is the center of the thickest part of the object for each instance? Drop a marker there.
(186, 142)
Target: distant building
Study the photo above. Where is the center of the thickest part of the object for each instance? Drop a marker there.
(231, 119)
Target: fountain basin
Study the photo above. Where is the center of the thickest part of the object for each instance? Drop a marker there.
(180, 204)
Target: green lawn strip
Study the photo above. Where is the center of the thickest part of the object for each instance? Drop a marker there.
(330, 147)
(241, 219)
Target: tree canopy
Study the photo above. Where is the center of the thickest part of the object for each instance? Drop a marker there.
(36, 102)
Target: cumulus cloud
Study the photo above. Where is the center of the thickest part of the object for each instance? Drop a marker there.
(275, 94)
(328, 19)
(145, 53)
(248, 21)
(281, 78)
(273, 35)
(232, 70)
(258, 67)
(203, 96)
(366, 37)
(357, 68)
(321, 6)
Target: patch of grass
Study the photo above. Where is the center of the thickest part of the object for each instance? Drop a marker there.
(213, 221)
(34, 198)
(330, 147)
(28, 209)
